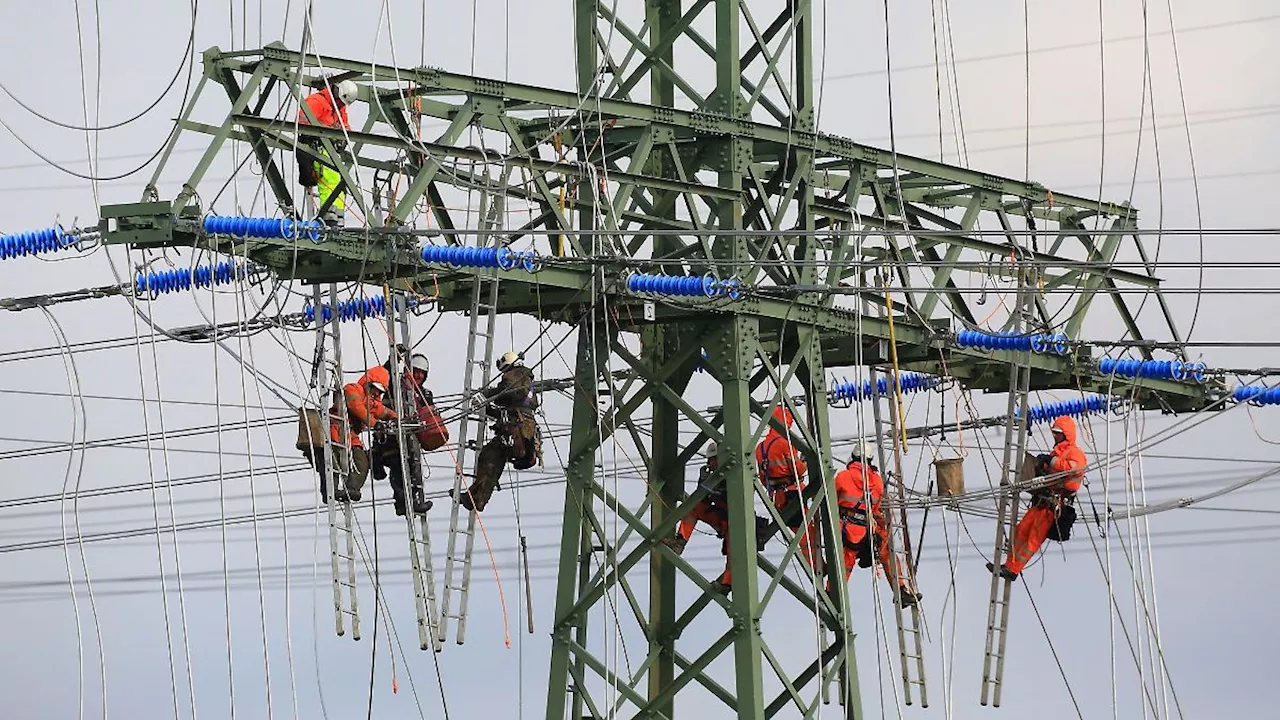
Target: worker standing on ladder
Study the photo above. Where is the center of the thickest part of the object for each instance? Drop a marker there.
(1052, 508)
(782, 472)
(712, 509)
(362, 403)
(329, 106)
(863, 536)
(419, 408)
(512, 403)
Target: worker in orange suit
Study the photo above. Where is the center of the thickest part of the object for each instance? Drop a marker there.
(363, 408)
(856, 486)
(713, 510)
(329, 106)
(782, 472)
(1065, 468)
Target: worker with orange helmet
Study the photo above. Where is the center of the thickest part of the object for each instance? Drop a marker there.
(329, 106)
(782, 471)
(858, 487)
(1052, 507)
(362, 406)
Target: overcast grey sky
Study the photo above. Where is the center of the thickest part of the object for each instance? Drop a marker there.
(1215, 570)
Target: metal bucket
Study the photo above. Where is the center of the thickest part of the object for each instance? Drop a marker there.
(950, 472)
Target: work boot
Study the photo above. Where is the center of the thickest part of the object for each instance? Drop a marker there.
(1004, 572)
(676, 543)
(420, 507)
(353, 494)
(721, 588)
(333, 218)
(762, 533)
(341, 495)
(906, 598)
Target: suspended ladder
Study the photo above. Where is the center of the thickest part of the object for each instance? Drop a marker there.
(419, 532)
(901, 572)
(472, 428)
(336, 462)
(1015, 440)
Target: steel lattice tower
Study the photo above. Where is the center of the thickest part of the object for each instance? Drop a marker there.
(688, 147)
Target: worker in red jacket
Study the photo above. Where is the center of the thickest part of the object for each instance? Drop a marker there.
(418, 408)
(1065, 468)
(362, 405)
(712, 509)
(782, 471)
(329, 106)
(858, 486)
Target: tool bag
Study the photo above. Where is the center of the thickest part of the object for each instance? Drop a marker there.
(311, 430)
(1060, 531)
(433, 434)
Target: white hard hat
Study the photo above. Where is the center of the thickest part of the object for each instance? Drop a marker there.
(510, 360)
(418, 361)
(712, 449)
(375, 385)
(864, 449)
(346, 92)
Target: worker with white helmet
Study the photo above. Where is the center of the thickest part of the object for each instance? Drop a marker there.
(863, 521)
(329, 106)
(511, 403)
(415, 405)
(713, 510)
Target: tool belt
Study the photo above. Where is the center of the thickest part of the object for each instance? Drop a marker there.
(785, 484)
(855, 516)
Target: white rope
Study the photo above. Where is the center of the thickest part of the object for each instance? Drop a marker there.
(78, 417)
(155, 511)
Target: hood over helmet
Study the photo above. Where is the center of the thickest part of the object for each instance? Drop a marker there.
(1068, 428)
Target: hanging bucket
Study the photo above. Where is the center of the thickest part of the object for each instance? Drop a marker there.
(950, 472)
(311, 430)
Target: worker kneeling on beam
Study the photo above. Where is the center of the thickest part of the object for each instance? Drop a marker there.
(712, 509)
(1052, 510)
(315, 168)
(361, 403)
(429, 432)
(511, 404)
(864, 536)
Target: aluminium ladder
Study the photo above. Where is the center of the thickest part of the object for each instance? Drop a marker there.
(419, 534)
(1007, 510)
(337, 462)
(901, 573)
(472, 431)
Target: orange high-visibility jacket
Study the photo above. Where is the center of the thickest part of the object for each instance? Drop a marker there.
(855, 483)
(1067, 457)
(363, 410)
(325, 109)
(779, 461)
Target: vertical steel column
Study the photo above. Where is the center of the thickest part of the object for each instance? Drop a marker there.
(566, 630)
(731, 354)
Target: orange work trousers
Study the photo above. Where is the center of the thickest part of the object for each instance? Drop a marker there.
(717, 517)
(853, 534)
(1032, 531)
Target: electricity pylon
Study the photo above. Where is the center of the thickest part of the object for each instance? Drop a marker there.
(711, 167)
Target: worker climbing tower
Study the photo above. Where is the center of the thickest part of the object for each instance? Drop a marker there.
(681, 195)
